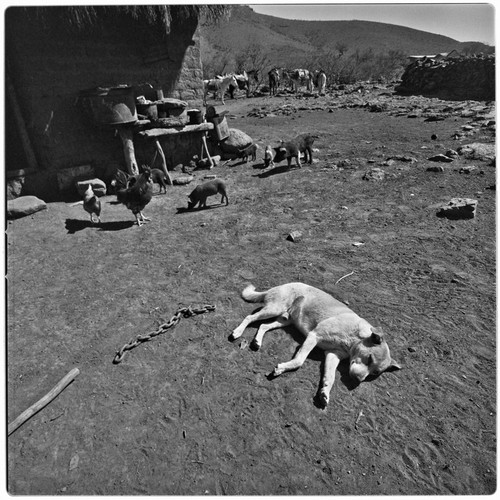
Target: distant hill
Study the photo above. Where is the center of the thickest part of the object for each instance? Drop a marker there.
(292, 41)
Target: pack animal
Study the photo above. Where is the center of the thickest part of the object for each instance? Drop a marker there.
(203, 191)
(274, 81)
(243, 83)
(321, 82)
(249, 151)
(300, 77)
(218, 85)
(326, 323)
(158, 177)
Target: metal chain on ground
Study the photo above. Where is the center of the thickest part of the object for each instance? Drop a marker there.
(182, 312)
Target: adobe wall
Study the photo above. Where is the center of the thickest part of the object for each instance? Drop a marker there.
(462, 78)
(49, 64)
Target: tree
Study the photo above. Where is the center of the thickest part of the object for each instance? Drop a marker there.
(215, 63)
(341, 48)
(253, 58)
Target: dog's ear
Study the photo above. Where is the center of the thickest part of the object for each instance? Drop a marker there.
(393, 367)
(376, 336)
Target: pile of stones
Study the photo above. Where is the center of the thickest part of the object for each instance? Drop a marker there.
(458, 78)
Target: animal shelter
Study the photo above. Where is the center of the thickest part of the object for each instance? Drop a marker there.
(56, 57)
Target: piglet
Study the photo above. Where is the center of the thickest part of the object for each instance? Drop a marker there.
(250, 151)
(268, 157)
(203, 191)
(158, 177)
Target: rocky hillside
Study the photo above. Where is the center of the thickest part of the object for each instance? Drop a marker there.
(292, 40)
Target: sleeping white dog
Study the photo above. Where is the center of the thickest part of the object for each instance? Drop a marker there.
(326, 323)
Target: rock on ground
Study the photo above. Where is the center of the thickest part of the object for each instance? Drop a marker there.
(478, 151)
(98, 186)
(23, 206)
(14, 188)
(458, 208)
(236, 141)
(375, 174)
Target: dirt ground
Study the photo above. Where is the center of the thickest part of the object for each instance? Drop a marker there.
(191, 413)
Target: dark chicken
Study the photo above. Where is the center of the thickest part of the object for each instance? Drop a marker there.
(135, 192)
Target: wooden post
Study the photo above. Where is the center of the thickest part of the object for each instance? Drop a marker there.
(204, 142)
(163, 162)
(127, 137)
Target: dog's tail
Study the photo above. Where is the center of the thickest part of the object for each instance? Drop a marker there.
(250, 295)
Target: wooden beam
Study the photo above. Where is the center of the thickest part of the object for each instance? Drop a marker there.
(127, 137)
(204, 142)
(163, 162)
(187, 129)
(21, 126)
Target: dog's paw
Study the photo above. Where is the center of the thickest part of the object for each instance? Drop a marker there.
(278, 371)
(323, 399)
(254, 345)
(235, 335)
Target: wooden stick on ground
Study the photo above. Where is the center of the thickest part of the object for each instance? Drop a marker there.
(27, 414)
(345, 276)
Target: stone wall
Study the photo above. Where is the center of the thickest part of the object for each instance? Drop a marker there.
(461, 78)
(49, 64)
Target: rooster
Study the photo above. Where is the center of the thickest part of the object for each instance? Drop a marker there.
(135, 192)
(92, 204)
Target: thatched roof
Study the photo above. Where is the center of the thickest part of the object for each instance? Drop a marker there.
(81, 17)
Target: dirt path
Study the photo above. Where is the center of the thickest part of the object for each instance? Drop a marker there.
(191, 412)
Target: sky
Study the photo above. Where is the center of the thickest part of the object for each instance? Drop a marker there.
(465, 22)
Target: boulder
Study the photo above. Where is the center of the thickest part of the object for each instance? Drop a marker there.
(345, 164)
(98, 186)
(375, 174)
(180, 181)
(467, 170)
(294, 236)
(236, 141)
(458, 208)
(377, 107)
(478, 151)
(14, 188)
(23, 206)
(407, 159)
(205, 162)
(441, 158)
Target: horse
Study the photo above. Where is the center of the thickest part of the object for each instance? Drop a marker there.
(302, 77)
(243, 84)
(321, 82)
(274, 81)
(219, 84)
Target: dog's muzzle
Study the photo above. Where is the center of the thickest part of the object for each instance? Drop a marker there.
(358, 371)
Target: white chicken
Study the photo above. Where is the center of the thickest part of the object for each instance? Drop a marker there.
(92, 204)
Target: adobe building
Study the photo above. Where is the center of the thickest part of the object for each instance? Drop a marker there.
(55, 53)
